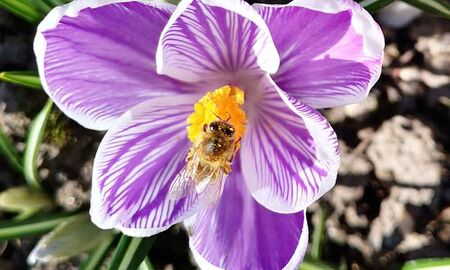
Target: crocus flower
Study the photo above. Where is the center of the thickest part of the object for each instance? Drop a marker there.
(136, 69)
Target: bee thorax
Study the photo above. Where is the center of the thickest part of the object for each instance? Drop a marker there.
(215, 147)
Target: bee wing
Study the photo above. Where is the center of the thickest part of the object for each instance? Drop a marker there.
(182, 185)
(212, 191)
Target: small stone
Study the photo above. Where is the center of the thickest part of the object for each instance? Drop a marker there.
(389, 219)
(413, 196)
(405, 151)
(353, 219)
(391, 52)
(340, 196)
(353, 162)
(414, 241)
(357, 242)
(360, 110)
(436, 51)
(71, 196)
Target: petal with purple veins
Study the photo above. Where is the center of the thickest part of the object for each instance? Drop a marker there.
(97, 58)
(332, 56)
(239, 233)
(207, 39)
(289, 152)
(135, 164)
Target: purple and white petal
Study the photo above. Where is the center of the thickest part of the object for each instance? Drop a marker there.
(96, 58)
(289, 151)
(331, 50)
(215, 39)
(239, 233)
(135, 165)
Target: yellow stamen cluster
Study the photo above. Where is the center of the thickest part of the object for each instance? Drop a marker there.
(222, 104)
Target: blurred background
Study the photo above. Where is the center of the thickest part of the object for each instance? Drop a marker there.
(391, 203)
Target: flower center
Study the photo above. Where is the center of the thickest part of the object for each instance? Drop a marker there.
(223, 105)
(215, 129)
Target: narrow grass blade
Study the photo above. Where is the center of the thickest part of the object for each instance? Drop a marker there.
(146, 265)
(32, 226)
(54, 3)
(22, 10)
(8, 151)
(40, 5)
(375, 5)
(130, 252)
(96, 257)
(34, 139)
(317, 239)
(23, 78)
(439, 7)
(428, 264)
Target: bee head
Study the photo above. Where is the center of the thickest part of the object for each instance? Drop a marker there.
(220, 127)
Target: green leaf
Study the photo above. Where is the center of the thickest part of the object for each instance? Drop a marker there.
(146, 265)
(71, 237)
(317, 239)
(32, 226)
(439, 7)
(25, 201)
(34, 140)
(9, 152)
(22, 9)
(55, 3)
(428, 264)
(96, 257)
(130, 252)
(23, 78)
(309, 264)
(375, 5)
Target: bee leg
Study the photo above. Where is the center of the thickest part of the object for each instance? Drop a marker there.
(191, 153)
(205, 126)
(235, 149)
(226, 168)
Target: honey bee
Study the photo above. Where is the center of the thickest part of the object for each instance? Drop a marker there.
(207, 164)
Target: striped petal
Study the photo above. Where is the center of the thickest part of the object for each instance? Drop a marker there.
(331, 50)
(135, 165)
(207, 39)
(96, 58)
(239, 233)
(289, 152)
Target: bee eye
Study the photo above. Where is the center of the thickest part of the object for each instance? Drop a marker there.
(229, 132)
(213, 127)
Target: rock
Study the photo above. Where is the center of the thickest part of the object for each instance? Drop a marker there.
(334, 230)
(357, 242)
(389, 219)
(403, 150)
(341, 196)
(414, 241)
(362, 109)
(391, 53)
(358, 111)
(436, 52)
(14, 123)
(353, 161)
(71, 196)
(353, 219)
(413, 196)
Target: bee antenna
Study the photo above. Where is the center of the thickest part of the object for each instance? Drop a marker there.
(229, 117)
(216, 115)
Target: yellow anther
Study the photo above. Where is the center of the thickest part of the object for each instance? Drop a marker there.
(222, 104)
